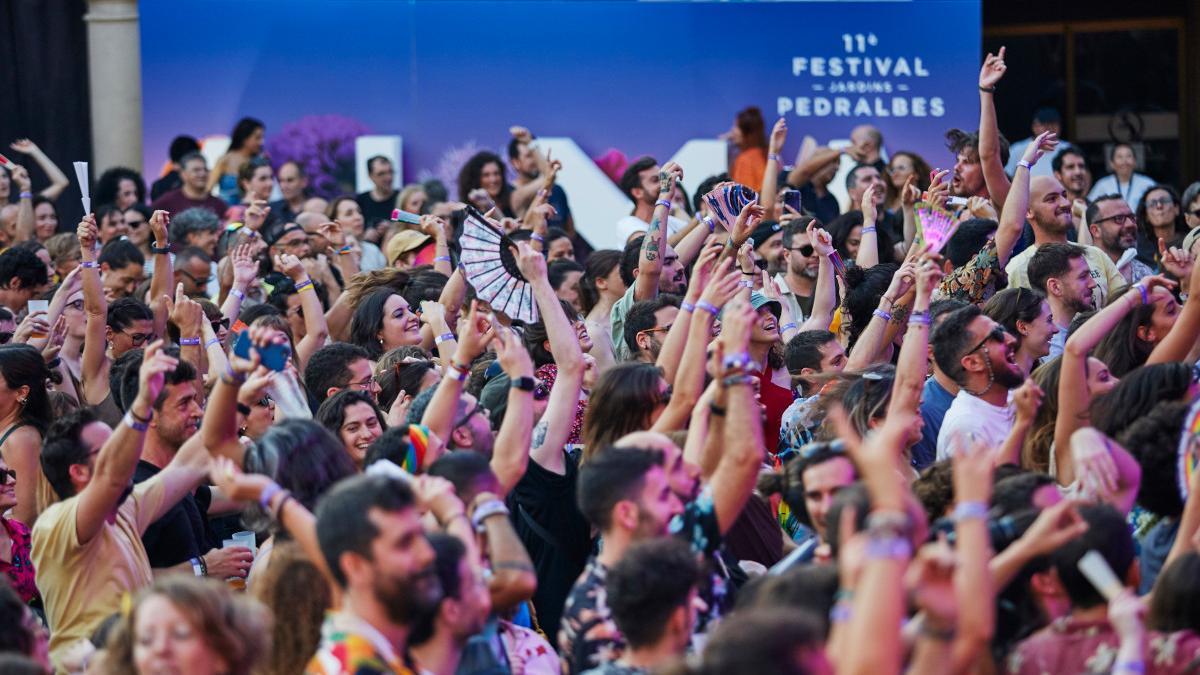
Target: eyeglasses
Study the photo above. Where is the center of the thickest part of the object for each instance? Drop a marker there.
(6, 338)
(366, 384)
(1120, 219)
(218, 324)
(663, 329)
(541, 391)
(1194, 212)
(134, 224)
(139, 339)
(466, 418)
(199, 281)
(1161, 203)
(805, 250)
(996, 334)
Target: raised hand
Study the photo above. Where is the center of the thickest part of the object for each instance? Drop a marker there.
(475, 331)
(24, 146)
(245, 267)
(260, 337)
(703, 269)
(159, 222)
(972, 473)
(737, 321)
(434, 227)
(521, 134)
(667, 176)
(929, 275)
(20, 176)
(778, 136)
(822, 241)
(1127, 614)
(1028, 399)
(334, 233)
(910, 194)
(981, 207)
(724, 285)
(1055, 526)
(1095, 468)
(88, 234)
(152, 375)
(868, 203)
(185, 313)
(1175, 260)
(992, 70)
(255, 386)
(436, 495)
(291, 266)
(256, 214)
(929, 580)
(34, 323)
(1041, 146)
(531, 263)
(939, 188)
(902, 281)
(480, 199)
(746, 221)
(511, 353)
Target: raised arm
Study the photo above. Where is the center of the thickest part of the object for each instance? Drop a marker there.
(1073, 397)
(513, 577)
(25, 217)
(868, 247)
(316, 330)
(803, 172)
(973, 589)
(672, 348)
(871, 340)
(650, 262)
(733, 480)
(1182, 337)
(510, 458)
(220, 427)
(58, 180)
(342, 254)
(113, 470)
(825, 297)
(188, 317)
(473, 337)
(95, 363)
(913, 363)
(552, 431)
(1012, 216)
(770, 184)
(989, 132)
(438, 229)
(164, 275)
(245, 271)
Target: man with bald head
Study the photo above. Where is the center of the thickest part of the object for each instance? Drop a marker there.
(8, 224)
(1048, 210)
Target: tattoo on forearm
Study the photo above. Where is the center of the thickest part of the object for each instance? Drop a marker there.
(650, 247)
(538, 438)
(664, 184)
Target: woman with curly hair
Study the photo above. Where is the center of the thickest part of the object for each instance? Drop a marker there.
(485, 171)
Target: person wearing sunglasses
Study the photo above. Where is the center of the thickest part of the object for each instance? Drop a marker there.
(1159, 216)
(1115, 231)
(981, 358)
(193, 269)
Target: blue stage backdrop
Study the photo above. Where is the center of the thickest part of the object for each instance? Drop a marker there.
(640, 77)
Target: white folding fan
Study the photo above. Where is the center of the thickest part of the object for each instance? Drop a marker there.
(491, 268)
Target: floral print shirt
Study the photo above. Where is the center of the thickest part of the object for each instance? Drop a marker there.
(351, 646)
(1073, 646)
(976, 281)
(20, 570)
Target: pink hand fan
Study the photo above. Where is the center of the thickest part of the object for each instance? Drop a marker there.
(936, 225)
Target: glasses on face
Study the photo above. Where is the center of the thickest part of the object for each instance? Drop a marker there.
(218, 324)
(366, 384)
(139, 339)
(5, 338)
(541, 391)
(663, 329)
(1161, 203)
(805, 250)
(1120, 219)
(898, 169)
(466, 418)
(199, 281)
(996, 334)
(1195, 213)
(134, 224)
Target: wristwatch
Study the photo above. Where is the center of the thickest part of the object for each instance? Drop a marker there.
(524, 383)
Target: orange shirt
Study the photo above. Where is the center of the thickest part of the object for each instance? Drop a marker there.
(749, 167)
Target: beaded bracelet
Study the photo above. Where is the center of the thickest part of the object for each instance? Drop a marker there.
(686, 306)
(708, 307)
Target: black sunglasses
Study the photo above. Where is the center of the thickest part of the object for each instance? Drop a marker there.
(479, 408)
(5, 338)
(805, 250)
(997, 334)
(7, 473)
(218, 324)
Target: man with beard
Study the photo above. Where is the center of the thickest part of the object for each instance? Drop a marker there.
(626, 494)
(370, 535)
(862, 178)
(1061, 272)
(193, 194)
(181, 540)
(643, 183)
(1071, 169)
(438, 638)
(797, 278)
(647, 325)
(967, 179)
(1114, 229)
(768, 246)
(980, 356)
(1044, 201)
(649, 264)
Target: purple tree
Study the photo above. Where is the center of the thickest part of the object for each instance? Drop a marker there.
(324, 146)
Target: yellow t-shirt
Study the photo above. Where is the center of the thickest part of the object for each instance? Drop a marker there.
(83, 584)
(1104, 271)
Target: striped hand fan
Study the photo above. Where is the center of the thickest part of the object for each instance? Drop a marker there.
(727, 200)
(1189, 450)
(935, 226)
(491, 268)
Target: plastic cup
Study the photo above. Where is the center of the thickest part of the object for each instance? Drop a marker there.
(247, 539)
(236, 583)
(39, 306)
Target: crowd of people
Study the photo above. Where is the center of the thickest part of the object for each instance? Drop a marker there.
(249, 436)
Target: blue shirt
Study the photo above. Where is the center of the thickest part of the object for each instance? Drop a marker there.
(935, 401)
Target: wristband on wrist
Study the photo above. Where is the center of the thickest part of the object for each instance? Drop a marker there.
(968, 510)
(132, 422)
(664, 202)
(189, 342)
(885, 524)
(1141, 289)
(886, 316)
(160, 250)
(237, 294)
(486, 510)
(712, 226)
(791, 325)
(268, 494)
(455, 371)
(306, 285)
(232, 377)
(538, 238)
(919, 318)
(1129, 667)
(840, 613)
(279, 508)
(1025, 164)
(708, 307)
(212, 341)
(346, 250)
(746, 283)
(868, 230)
(685, 306)
(990, 90)
(774, 157)
(89, 264)
(444, 337)
(442, 258)
(888, 548)
(735, 380)
(25, 194)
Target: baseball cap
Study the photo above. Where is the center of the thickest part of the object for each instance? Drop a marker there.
(403, 242)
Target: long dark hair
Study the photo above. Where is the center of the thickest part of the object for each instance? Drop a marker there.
(1175, 603)
(303, 457)
(1137, 393)
(921, 172)
(22, 365)
(599, 264)
(243, 130)
(750, 122)
(1143, 216)
(471, 177)
(1012, 305)
(1122, 350)
(620, 403)
(332, 413)
(368, 321)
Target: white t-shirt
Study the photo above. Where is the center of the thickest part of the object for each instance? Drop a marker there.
(631, 224)
(969, 414)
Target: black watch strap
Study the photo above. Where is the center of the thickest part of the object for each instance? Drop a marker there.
(158, 250)
(524, 383)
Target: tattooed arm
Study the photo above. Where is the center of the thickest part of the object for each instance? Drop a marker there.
(650, 262)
